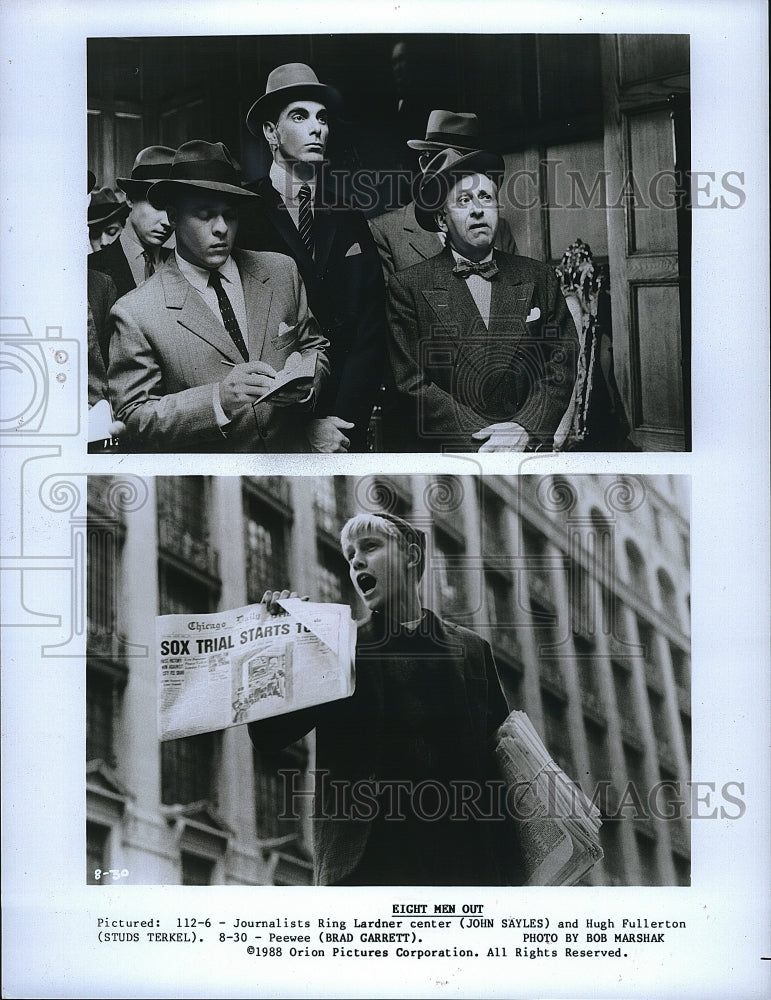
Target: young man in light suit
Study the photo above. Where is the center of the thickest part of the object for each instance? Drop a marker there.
(331, 244)
(483, 347)
(198, 345)
(399, 237)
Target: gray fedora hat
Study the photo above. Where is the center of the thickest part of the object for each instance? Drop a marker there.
(287, 83)
(199, 165)
(442, 172)
(104, 206)
(150, 165)
(449, 129)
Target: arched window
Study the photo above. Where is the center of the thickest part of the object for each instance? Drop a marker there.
(668, 596)
(637, 574)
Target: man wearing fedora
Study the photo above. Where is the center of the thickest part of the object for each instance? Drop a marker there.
(331, 244)
(106, 217)
(400, 240)
(198, 347)
(139, 249)
(483, 346)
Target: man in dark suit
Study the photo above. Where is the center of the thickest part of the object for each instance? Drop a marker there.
(400, 239)
(199, 346)
(139, 249)
(398, 762)
(106, 217)
(331, 244)
(483, 347)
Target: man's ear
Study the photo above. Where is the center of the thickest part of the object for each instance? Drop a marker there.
(271, 134)
(413, 555)
(440, 220)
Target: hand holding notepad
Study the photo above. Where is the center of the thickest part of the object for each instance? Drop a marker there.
(297, 371)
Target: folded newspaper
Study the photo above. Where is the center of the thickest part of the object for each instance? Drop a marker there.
(556, 826)
(225, 669)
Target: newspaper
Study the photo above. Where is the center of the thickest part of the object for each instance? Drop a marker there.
(232, 667)
(556, 826)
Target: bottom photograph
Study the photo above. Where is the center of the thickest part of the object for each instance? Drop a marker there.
(388, 680)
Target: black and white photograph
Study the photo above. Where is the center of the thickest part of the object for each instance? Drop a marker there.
(384, 475)
(383, 166)
(564, 598)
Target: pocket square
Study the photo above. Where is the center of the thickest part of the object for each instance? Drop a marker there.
(283, 328)
(533, 315)
(353, 250)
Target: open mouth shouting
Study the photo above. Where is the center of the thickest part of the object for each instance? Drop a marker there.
(365, 583)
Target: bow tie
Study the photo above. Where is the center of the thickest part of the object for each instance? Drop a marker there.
(464, 268)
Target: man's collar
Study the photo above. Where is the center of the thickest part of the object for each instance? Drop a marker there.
(459, 257)
(287, 184)
(130, 241)
(199, 276)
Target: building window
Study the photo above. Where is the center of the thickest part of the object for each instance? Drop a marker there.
(183, 523)
(597, 745)
(448, 570)
(332, 580)
(97, 855)
(613, 861)
(680, 667)
(101, 698)
(196, 870)
(538, 570)
(581, 598)
(557, 740)
(330, 504)
(276, 812)
(188, 768)
(622, 685)
(668, 597)
(638, 577)
(266, 549)
(502, 633)
(647, 638)
(646, 853)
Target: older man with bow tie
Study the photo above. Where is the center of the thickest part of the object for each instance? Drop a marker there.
(482, 344)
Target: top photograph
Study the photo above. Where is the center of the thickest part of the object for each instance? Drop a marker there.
(447, 243)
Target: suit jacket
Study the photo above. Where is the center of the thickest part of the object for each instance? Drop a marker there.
(369, 738)
(346, 294)
(101, 298)
(168, 350)
(455, 376)
(401, 241)
(111, 260)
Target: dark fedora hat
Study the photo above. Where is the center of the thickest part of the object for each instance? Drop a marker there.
(288, 83)
(442, 172)
(91, 181)
(449, 129)
(151, 164)
(105, 206)
(200, 165)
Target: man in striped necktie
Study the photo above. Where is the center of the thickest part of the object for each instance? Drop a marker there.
(331, 244)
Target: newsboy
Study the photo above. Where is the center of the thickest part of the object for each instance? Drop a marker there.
(330, 242)
(482, 345)
(398, 763)
(198, 347)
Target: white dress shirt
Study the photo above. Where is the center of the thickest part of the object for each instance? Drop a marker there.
(231, 282)
(480, 288)
(288, 186)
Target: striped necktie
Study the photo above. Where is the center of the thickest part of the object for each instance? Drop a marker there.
(228, 316)
(305, 219)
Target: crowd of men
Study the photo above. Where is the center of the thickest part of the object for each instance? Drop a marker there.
(269, 317)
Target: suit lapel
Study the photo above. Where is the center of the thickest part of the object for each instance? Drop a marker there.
(451, 301)
(192, 312)
(424, 244)
(257, 298)
(510, 300)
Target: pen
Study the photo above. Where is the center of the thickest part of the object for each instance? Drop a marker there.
(230, 364)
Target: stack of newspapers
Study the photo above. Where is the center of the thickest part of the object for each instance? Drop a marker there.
(555, 825)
